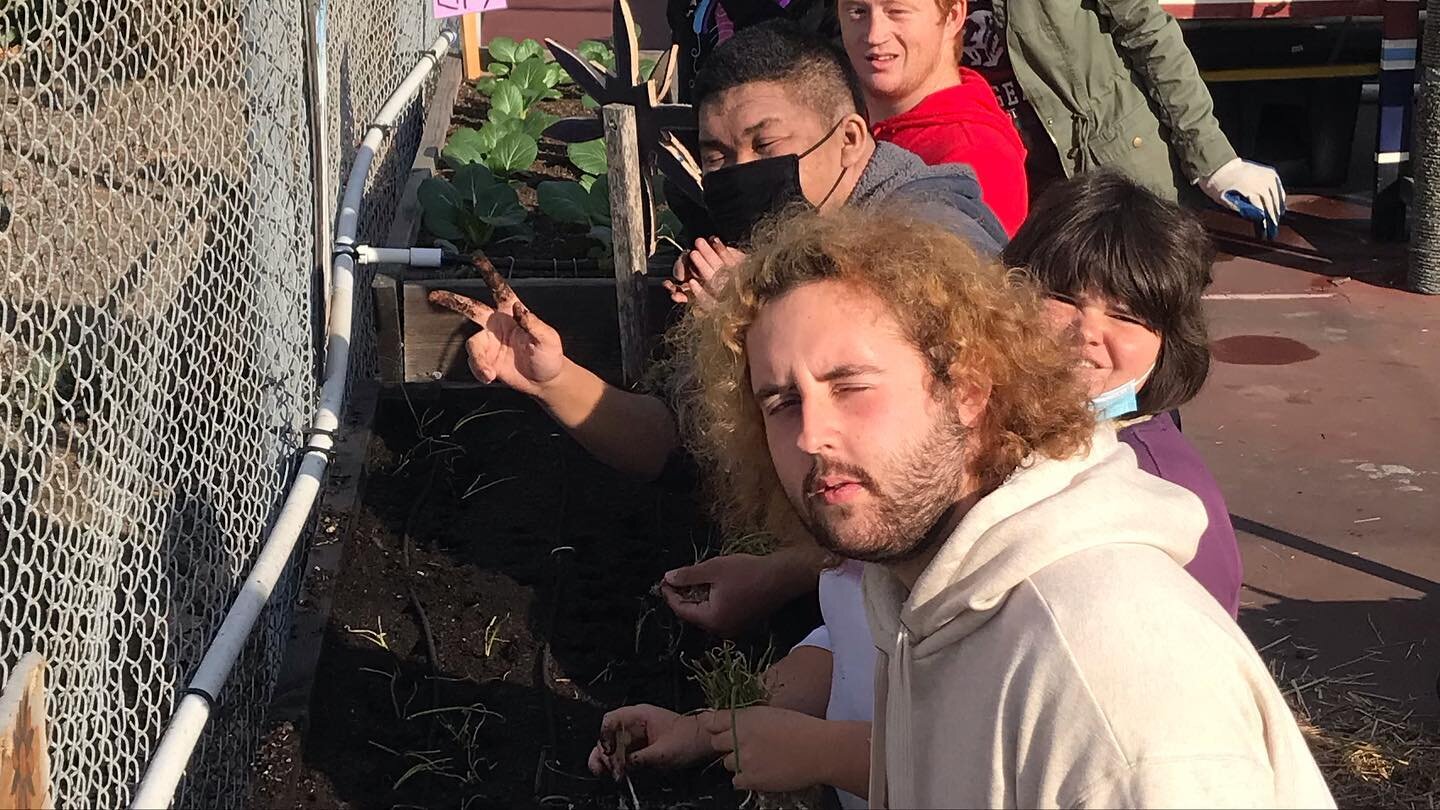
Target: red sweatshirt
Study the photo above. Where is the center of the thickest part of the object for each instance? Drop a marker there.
(965, 124)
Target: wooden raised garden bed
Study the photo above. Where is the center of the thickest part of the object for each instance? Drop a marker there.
(486, 180)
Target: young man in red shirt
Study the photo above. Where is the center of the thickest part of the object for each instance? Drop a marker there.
(906, 53)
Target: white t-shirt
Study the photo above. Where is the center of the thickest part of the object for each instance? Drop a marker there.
(846, 634)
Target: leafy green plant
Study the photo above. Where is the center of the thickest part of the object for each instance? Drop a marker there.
(526, 59)
(507, 50)
(588, 157)
(597, 51)
(587, 204)
(504, 147)
(573, 203)
(473, 209)
(601, 53)
(513, 110)
(508, 101)
(534, 123)
(537, 80)
(506, 53)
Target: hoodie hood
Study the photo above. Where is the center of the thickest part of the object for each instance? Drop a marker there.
(1047, 510)
(971, 103)
(892, 167)
(949, 195)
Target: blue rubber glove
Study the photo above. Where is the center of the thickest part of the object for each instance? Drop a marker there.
(1252, 190)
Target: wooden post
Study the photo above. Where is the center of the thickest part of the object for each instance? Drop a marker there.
(24, 747)
(470, 46)
(627, 226)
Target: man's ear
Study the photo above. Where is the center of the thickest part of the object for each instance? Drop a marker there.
(955, 23)
(854, 135)
(969, 396)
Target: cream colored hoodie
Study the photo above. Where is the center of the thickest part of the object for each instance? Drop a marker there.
(1056, 654)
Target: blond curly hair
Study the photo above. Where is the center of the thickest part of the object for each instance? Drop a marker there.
(967, 316)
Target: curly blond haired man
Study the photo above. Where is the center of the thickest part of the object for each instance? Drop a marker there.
(867, 379)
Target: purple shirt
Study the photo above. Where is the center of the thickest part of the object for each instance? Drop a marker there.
(1164, 453)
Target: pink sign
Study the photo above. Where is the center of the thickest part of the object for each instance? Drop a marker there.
(452, 8)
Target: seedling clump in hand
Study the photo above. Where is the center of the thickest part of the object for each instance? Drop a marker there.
(728, 679)
(758, 544)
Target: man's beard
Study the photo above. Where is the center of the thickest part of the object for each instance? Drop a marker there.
(927, 480)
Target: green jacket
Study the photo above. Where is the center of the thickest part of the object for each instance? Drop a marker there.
(1116, 87)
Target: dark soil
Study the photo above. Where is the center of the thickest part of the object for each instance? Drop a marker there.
(532, 565)
(536, 587)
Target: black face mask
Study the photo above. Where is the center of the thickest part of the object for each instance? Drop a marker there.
(738, 197)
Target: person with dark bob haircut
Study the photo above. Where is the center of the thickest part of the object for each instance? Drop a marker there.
(1124, 271)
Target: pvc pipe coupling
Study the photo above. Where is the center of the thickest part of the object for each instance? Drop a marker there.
(414, 257)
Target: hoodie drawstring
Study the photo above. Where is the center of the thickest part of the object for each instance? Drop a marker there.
(898, 733)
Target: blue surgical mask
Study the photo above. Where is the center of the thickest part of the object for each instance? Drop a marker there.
(1117, 402)
(1122, 400)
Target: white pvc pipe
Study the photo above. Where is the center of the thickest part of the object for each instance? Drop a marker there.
(168, 762)
(574, 281)
(414, 257)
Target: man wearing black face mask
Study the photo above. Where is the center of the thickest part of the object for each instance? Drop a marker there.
(782, 124)
(782, 127)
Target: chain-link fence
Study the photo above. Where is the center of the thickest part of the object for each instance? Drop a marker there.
(159, 286)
